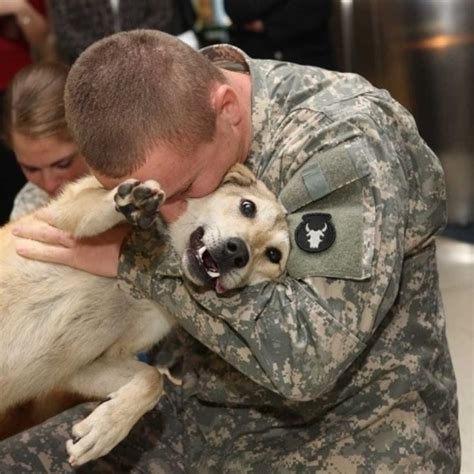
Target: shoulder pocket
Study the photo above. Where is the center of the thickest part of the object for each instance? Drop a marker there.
(334, 183)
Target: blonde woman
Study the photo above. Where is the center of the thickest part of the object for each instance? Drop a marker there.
(35, 128)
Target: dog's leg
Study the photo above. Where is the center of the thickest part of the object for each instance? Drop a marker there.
(86, 209)
(139, 202)
(130, 389)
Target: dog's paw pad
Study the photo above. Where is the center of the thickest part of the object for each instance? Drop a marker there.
(142, 193)
(139, 202)
(127, 187)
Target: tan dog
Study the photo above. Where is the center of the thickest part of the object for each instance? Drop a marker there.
(65, 328)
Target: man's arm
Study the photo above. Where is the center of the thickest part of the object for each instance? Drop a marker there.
(295, 337)
(298, 336)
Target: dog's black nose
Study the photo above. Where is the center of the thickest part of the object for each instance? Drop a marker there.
(236, 252)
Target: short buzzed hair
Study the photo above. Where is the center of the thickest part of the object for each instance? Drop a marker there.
(134, 90)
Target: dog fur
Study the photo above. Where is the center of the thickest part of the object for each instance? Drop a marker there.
(64, 328)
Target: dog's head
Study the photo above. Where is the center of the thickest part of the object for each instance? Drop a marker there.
(234, 237)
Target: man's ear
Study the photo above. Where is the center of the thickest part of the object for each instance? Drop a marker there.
(226, 103)
(239, 175)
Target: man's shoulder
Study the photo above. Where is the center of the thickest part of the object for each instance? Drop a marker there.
(294, 86)
(288, 84)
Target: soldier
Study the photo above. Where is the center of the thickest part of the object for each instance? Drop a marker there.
(343, 366)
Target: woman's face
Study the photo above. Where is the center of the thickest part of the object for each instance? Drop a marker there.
(49, 162)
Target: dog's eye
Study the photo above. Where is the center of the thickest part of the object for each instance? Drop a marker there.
(273, 254)
(248, 208)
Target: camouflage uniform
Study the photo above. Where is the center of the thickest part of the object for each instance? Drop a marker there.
(29, 198)
(343, 365)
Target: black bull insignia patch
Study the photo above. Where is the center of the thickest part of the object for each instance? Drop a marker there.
(315, 233)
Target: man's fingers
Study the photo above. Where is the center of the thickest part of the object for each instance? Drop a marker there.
(40, 251)
(98, 255)
(43, 232)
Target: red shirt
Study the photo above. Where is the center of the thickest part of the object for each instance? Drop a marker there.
(15, 53)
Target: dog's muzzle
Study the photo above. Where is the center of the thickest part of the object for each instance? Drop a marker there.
(208, 264)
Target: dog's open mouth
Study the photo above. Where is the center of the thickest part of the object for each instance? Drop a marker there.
(207, 262)
(203, 262)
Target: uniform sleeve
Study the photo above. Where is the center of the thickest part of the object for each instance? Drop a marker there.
(297, 336)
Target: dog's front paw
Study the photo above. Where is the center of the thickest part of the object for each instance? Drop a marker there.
(96, 435)
(139, 202)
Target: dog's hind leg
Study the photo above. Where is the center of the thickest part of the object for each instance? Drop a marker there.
(130, 389)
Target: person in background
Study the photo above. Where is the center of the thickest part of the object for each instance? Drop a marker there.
(36, 130)
(79, 23)
(291, 30)
(23, 27)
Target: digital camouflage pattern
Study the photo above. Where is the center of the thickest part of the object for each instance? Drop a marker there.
(338, 369)
(343, 365)
(153, 446)
(29, 199)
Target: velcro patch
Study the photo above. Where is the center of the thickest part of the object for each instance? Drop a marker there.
(315, 233)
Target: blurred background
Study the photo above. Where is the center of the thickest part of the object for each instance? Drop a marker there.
(421, 51)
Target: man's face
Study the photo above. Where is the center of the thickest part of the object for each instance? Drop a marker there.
(200, 172)
(182, 177)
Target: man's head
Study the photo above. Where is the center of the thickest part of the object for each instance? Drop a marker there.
(133, 90)
(137, 99)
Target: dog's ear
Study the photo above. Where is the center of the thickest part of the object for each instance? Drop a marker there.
(240, 175)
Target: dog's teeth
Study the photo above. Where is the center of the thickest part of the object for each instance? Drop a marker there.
(213, 274)
(201, 251)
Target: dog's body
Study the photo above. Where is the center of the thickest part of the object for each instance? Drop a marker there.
(61, 327)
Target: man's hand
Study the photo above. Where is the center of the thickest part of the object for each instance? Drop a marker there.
(39, 240)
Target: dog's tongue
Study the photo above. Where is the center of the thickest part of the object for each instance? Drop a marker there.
(218, 287)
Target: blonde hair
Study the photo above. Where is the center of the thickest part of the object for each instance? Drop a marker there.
(134, 90)
(34, 102)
